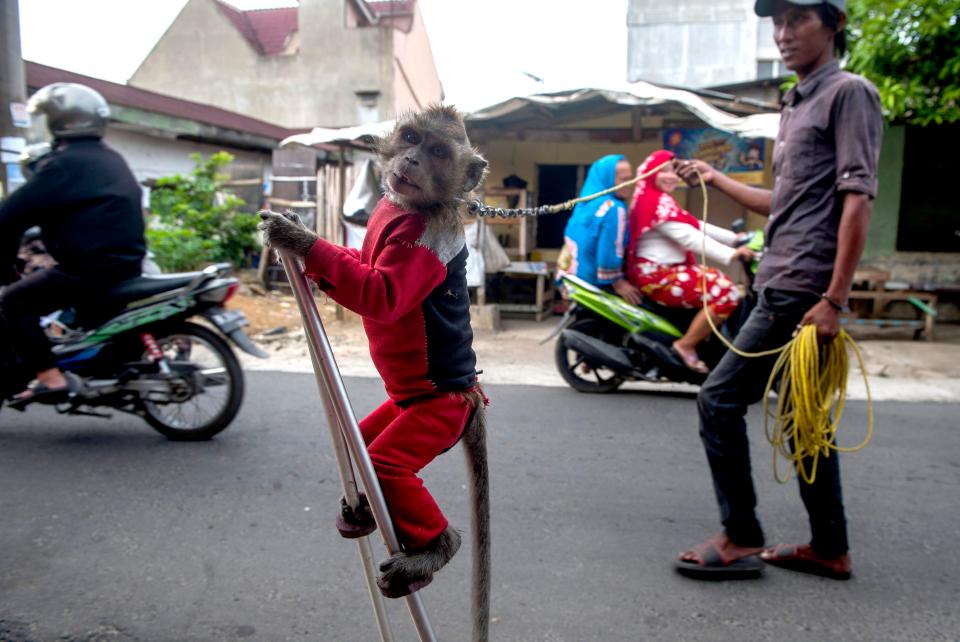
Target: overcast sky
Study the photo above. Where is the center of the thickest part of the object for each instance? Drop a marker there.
(482, 47)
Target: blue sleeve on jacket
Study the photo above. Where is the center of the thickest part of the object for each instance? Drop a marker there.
(612, 244)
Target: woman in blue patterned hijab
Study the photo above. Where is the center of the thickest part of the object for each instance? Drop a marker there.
(596, 236)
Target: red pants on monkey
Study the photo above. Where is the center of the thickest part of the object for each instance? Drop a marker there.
(402, 440)
(408, 283)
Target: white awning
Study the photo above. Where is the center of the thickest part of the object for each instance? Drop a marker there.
(342, 135)
(764, 125)
(644, 93)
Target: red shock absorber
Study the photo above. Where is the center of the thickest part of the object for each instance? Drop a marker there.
(153, 349)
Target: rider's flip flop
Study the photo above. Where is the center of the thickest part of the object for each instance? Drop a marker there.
(41, 393)
(691, 360)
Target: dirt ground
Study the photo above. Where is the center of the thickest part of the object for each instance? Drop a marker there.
(898, 367)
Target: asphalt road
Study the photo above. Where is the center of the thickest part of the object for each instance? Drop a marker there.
(109, 532)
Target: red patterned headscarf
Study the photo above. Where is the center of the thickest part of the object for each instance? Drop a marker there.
(652, 206)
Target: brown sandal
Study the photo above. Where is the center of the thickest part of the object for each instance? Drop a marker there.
(803, 559)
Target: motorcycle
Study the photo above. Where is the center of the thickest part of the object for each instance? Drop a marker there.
(604, 341)
(149, 359)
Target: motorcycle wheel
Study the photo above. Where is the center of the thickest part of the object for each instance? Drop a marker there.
(575, 369)
(207, 396)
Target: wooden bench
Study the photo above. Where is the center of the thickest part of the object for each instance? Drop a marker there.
(925, 302)
(543, 289)
(879, 294)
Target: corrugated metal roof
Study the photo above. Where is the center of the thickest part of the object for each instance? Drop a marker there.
(763, 125)
(40, 75)
(390, 8)
(642, 93)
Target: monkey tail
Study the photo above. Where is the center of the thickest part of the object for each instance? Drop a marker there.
(475, 448)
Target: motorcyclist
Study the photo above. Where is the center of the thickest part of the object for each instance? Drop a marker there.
(88, 206)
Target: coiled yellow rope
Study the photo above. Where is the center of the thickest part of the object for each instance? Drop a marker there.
(810, 401)
(812, 392)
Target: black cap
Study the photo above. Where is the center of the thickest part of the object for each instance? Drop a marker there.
(764, 8)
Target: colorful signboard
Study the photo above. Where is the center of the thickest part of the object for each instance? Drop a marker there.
(741, 158)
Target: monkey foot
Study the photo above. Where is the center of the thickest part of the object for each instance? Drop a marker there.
(400, 588)
(355, 522)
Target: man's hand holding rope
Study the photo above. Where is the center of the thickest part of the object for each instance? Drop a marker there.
(826, 318)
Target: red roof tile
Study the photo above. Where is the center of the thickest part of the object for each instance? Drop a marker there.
(40, 75)
(266, 30)
(391, 8)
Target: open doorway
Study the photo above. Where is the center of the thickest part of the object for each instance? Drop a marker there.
(556, 184)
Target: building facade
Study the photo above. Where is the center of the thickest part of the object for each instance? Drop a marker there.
(330, 63)
(699, 43)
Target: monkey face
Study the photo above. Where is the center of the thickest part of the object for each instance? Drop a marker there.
(428, 162)
(417, 172)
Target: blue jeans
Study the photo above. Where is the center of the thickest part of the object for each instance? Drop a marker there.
(732, 385)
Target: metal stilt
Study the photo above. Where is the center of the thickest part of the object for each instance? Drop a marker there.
(347, 443)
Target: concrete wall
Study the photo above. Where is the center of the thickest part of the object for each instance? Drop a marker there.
(882, 235)
(151, 157)
(203, 58)
(416, 83)
(694, 43)
(881, 250)
(336, 62)
(523, 157)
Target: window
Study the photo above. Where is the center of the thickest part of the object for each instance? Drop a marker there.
(764, 34)
(770, 69)
(368, 109)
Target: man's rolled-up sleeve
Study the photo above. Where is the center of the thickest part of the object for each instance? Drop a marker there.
(858, 131)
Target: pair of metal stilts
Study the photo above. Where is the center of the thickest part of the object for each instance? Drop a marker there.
(347, 444)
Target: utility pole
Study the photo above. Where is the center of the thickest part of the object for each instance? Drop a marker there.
(14, 121)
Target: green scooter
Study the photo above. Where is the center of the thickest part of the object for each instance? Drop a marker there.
(604, 341)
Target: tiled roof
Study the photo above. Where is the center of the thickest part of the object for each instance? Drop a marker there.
(389, 8)
(267, 30)
(40, 75)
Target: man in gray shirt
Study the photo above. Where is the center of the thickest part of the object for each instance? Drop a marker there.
(825, 178)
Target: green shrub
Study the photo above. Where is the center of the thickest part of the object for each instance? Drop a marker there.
(194, 222)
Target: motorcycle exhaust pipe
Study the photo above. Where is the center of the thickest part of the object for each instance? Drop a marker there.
(597, 352)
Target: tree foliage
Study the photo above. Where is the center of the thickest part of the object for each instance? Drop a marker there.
(194, 222)
(910, 49)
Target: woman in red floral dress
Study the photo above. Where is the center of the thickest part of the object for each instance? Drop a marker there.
(661, 260)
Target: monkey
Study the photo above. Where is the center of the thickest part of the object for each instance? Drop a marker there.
(408, 284)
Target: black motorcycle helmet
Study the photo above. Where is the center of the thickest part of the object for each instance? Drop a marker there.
(72, 110)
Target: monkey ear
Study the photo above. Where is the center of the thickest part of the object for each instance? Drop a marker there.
(474, 173)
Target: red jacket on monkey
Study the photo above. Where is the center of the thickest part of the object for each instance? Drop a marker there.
(410, 287)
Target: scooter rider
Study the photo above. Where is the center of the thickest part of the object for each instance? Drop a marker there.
(88, 205)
